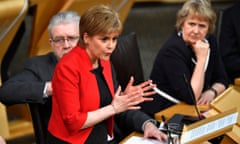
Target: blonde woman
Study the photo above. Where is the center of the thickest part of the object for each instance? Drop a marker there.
(189, 66)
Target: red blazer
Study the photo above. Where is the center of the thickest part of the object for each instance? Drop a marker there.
(75, 92)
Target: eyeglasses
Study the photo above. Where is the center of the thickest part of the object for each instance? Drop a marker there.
(61, 40)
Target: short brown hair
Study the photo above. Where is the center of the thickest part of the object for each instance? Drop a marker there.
(99, 19)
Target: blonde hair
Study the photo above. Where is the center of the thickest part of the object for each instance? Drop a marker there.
(99, 19)
(199, 8)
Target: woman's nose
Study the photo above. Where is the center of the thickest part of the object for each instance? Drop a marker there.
(196, 29)
(110, 44)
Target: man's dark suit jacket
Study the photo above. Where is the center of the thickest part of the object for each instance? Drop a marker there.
(229, 41)
(28, 85)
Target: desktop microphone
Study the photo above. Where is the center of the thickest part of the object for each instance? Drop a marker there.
(190, 91)
(177, 121)
(165, 95)
(170, 139)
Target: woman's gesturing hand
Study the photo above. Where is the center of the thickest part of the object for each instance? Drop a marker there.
(132, 96)
(144, 88)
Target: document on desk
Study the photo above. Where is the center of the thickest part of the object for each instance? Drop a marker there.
(141, 140)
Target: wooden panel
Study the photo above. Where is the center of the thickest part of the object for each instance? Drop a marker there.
(12, 14)
(42, 46)
(4, 129)
(19, 111)
(235, 134)
(177, 1)
(229, 99)
(19, 128)
(44, 10)
(187, 110)
(227, 140)
(237, 81)
(181, 108)
(213, 122)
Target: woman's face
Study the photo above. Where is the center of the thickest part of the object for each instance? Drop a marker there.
(194, 28)
(101, 46)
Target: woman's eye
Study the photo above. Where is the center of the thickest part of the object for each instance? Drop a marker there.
(115, 38)
(104, 39)
(191, 24)
(202, 25)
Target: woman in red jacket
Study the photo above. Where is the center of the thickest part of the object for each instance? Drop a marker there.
(86, 99)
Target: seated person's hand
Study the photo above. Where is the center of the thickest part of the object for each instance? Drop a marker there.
(49, 88)
(206, 98)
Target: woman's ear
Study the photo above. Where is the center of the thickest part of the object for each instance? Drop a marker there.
(85, 38)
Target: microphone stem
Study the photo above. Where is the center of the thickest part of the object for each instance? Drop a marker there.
(170, 139)
(192, 96)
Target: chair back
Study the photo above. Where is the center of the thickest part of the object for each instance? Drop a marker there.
(127, 61)
(40, 129)
(219, 24)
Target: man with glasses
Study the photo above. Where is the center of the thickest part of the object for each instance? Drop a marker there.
(33, 83)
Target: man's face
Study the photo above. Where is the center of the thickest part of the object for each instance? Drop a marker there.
(64, 37)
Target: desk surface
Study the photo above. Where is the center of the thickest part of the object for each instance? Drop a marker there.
(129, 136)
(181, 109)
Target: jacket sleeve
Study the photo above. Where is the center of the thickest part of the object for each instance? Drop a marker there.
(131, 120)
(24, 87)
(67, 94)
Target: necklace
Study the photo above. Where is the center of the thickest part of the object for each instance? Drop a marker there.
(95, 65)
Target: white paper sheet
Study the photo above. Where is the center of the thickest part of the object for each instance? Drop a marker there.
(141, 140)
